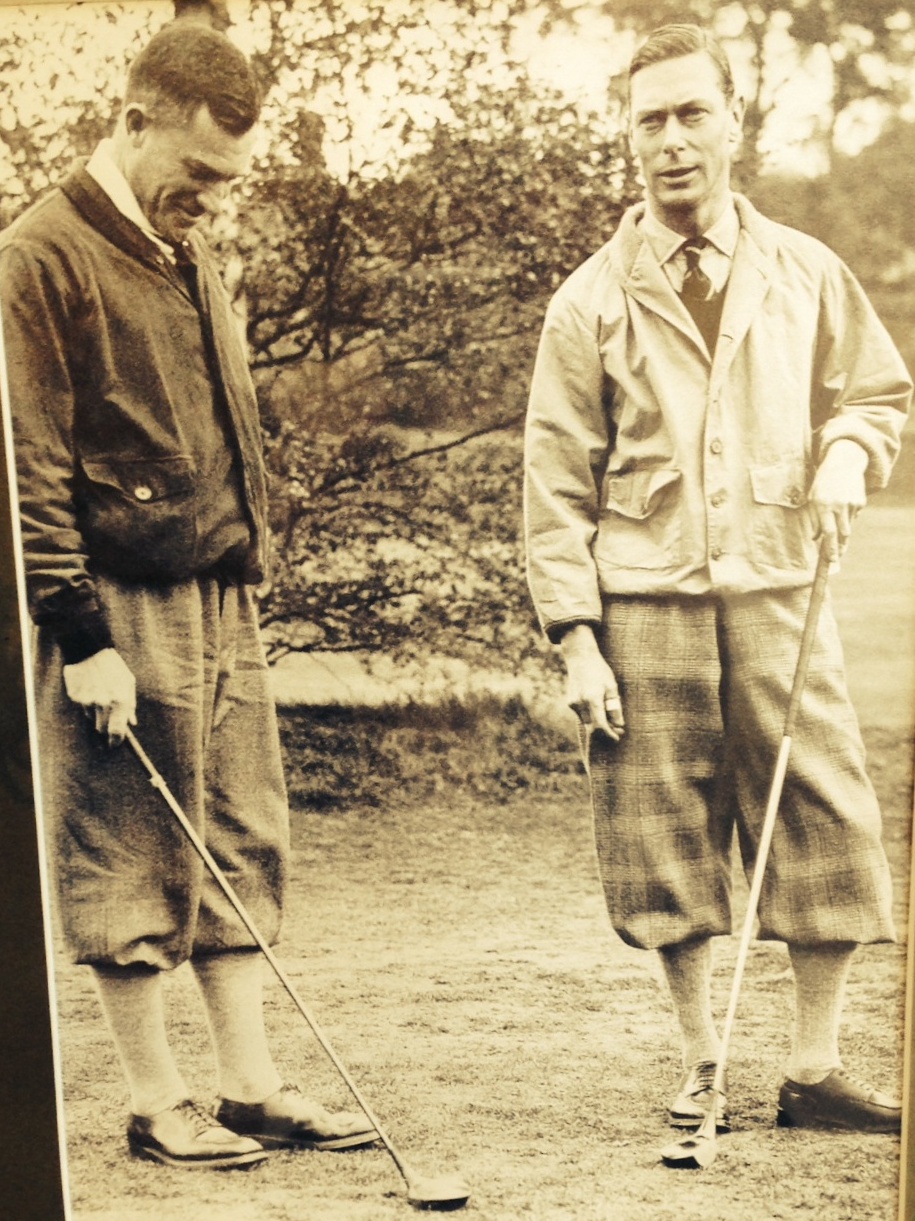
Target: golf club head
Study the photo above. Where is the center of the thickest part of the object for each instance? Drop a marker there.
(442, 1193)
(696, 1151)
(692, 1153)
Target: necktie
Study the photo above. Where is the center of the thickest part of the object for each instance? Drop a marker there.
(699, 295)
(696, 284)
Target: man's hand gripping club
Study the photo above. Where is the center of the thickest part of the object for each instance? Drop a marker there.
(838, 493)
(103, 685)
(591, 689)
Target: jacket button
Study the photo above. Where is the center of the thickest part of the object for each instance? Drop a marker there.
(717, 499)
(715, 553)
(794, 496)
(142, 492)
(716, 446)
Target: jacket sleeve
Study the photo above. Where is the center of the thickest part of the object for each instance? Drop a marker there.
(567, 442)
(862, 391)
(37, 328)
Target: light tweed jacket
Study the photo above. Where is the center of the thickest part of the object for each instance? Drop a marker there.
(652, 468)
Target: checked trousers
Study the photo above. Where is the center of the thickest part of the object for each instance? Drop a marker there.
(705, 684)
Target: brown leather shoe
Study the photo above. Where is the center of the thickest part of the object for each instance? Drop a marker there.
(289, 1120)
(694, 1097)
(187, 1135)
(838, 1102)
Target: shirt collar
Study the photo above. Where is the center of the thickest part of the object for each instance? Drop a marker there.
(103, 168)
(665, 243)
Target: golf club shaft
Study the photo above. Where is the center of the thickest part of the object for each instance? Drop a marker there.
(206, 856)
(817, 595)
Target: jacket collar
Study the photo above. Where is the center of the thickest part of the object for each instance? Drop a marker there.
(103, 167)
(97, 208)
(751, 272)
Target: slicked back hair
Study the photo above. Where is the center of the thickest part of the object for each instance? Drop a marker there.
(187, 65)
(675, 41)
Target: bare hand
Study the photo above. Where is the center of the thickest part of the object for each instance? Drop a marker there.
(591, 689)
(104, 686)
(838, 493)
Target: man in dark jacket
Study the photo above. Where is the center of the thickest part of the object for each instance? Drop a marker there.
(142, 501)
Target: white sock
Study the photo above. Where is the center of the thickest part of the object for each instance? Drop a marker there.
(232, 989)
(820, 976)
(132, 1002)
(688, 968)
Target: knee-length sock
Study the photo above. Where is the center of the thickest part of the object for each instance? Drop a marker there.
(688, 969)
(820, 977)
(132, 1001)
(232, 989)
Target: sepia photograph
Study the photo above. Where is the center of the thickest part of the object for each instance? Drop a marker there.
(458, 609)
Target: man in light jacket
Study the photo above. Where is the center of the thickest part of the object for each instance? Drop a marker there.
(713, 394)
(143, 509)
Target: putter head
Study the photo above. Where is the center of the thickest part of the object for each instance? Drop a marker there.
(442, 1193)
(696, 1151)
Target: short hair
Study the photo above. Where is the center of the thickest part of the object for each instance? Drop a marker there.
(187, 65)
(675, 41)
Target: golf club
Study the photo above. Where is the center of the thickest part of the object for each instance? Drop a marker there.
(423, 1191)
(699, 1148)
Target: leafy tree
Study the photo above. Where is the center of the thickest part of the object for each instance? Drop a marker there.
(875, 185)
(440, 265)
(61, 84)
(447, 270)
(412, 553)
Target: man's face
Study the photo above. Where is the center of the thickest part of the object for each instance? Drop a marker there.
(683, 131)
(181, 171)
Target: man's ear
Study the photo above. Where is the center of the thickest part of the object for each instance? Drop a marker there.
(136, 120)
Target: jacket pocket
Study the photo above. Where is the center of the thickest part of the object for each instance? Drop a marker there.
(781, 535)
(139, 516)
(641, 523)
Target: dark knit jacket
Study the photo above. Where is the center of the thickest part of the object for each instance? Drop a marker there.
(136, 431)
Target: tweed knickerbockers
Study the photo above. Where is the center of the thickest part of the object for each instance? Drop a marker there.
(705, 684)
(131, 888)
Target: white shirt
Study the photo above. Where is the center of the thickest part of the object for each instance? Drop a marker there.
(715, 259)
(102, 167)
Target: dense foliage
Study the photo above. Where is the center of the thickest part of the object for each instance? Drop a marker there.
(416, 549)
